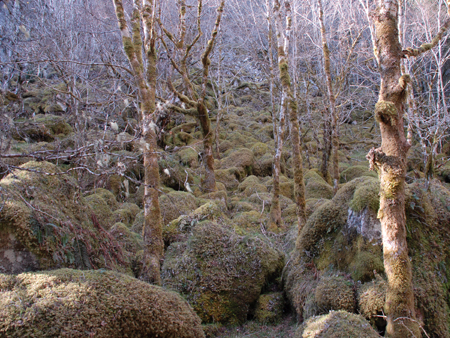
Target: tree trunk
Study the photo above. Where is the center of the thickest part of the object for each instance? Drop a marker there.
(152, 230)
(209, 183)
(334, 114)
(291, 106)
(390, 162)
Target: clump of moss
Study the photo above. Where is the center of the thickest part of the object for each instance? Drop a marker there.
(366, 196)
(241, 158)
(227, 177)
(219, 272)
(175, 204)
(179, 229)
(269, 308)
(101, 209)
(42, 128)
(356, 171)
(83, 303)
(259, 149)
(249, 182)
(318, 190)
(335, 293)
(188, 156)
(52, 223)
(336, 324)
(371, 299)
(130, 241)
(247, 221)
(126, 213)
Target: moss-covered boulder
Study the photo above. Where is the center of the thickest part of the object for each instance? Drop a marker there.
(179, 229)
(72, 303)
(335, 293)
(336, 324)
(46, 223)
(371, 298)
(356, 171)
(220, 273)
(175, 204)
(240, 158)
(269, 308)
(42, 128)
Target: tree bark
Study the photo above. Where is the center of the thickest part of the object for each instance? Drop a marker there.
(390, 162)
(146, 83)
(333, 112)
(291, 108)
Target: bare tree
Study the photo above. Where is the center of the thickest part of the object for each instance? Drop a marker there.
(194, 101)
(141, 52)
(289, 105)
(390, 162)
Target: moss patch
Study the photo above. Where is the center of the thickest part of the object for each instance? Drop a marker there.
(220, 273)
(336, 324)
(83, 303)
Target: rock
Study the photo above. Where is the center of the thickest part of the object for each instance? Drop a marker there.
(336, 324)
(99, 303)
(269, 308)
(220, 273)
(45, 222)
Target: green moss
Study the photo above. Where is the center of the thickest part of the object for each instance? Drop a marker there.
(366, 195)
(364, 264)
(356, 171)
(242, 159)
(259, 149)
(336, 324)
(316, 189)
(269, 308)
(386, 112)
(371, 299)
(180, 228)
(189, 157)
(220, 273)
(129, 240)
(175, 204)
(53, 222)
(335, 293)
(83, 303)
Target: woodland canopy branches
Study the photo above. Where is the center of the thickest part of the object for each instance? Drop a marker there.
(246, 155)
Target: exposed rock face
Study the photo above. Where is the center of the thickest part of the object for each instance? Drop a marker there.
(364, 223)
(73, 303)
(14, 257)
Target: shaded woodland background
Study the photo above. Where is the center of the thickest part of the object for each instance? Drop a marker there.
(72, 173)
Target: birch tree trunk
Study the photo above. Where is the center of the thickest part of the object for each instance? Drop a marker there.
(143, 12)
(333, 112)
(278, 131)
(290, 106)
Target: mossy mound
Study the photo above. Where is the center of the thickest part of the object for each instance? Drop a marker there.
(76, 303)
(179, 229)
(367, 196)
(335, 293)
(240, 158)
(175, 204)
(101, 209)
(356, 171)
(227, 177)
(318, 190)
(249, 221)
(371, 299)
(129, 240)
(46, 223)
(265, 199)
(42, 128)
(188, 156)
(126, 213)
(269, 308)
(336, 324)
(219, 272)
